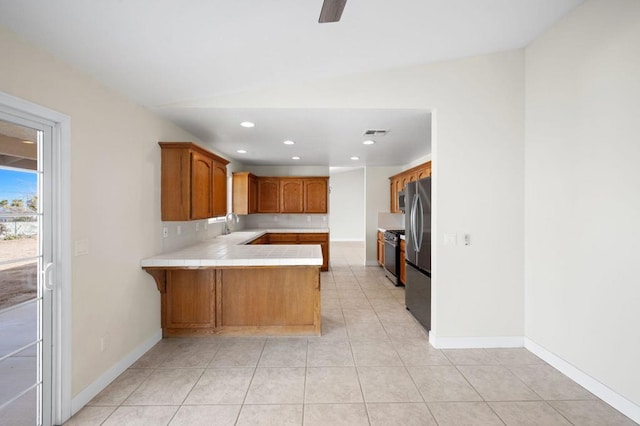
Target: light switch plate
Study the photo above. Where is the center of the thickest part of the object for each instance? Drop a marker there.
(165, 232)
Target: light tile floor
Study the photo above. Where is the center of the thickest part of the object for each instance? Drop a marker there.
(372, 365)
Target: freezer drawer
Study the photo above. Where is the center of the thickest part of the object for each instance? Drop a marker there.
(418, 296)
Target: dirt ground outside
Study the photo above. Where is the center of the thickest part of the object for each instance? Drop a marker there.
(18, 281)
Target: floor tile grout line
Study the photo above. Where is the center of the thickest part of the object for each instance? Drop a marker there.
(246, 393)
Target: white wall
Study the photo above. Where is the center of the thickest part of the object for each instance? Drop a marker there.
(583, 192)
(287, 170)
(115, 192)
(347, 205)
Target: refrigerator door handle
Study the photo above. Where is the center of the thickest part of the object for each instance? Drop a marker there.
(414, 236)
(421, 218)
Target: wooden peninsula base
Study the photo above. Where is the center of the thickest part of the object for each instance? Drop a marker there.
(239, 301)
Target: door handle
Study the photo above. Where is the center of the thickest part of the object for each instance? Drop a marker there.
(46, 277)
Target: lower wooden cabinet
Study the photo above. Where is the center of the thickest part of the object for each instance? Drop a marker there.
(403, 265)
(280, 300)
(318, 238)
(380, 248)
(190, 299)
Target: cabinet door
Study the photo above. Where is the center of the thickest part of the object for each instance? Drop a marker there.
(219, 189)
(190, 299)
(403, 266)
(393, 194)
(201, 186)
(268, 195)
(315, 196)
(253, 194)
(284, 238)
(380, 249)
(291, 196)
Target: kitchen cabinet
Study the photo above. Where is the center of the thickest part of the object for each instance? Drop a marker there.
(244, 193)
(318, 238)
(400, 180)
(261, 240)
(279, 300)
(190, 299)
(193, 182)
(268, 195)
(315, 195)
(291, 195)
(279, 194)
(381, 248)
(403, 265)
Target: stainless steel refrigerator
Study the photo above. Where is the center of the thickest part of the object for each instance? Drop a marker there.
(418, 250)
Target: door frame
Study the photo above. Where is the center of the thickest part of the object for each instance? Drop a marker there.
(61, 234)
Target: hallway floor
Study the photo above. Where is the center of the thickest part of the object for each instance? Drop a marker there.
(372, 365)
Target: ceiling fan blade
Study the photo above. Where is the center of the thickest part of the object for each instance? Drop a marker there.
(331, 10)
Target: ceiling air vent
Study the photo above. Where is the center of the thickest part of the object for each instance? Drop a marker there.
(375, 132)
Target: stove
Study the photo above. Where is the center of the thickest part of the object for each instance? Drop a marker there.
(392, 255)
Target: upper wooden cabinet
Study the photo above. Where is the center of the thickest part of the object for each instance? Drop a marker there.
(279, 194)
(291, 195)
(193, 182)
(245, 193)
(268, 195)
(315, 195)
(399, 181)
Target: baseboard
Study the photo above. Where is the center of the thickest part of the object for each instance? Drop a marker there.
(617, 401)
(87, 394)
(475, 342)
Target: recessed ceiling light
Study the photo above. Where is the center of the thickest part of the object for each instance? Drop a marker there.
(355, 158)
(247, 124)
(28, 142)
(368, 142)
(288, 142)
(295, 158)
(241, 151)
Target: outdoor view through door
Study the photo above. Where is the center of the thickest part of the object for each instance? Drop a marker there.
(25, 304)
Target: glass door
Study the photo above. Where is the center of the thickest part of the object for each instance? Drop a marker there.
(25, 273)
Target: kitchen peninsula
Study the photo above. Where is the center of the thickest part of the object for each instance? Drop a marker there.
(233, 285)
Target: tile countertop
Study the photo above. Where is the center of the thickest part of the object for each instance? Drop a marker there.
(229, 250)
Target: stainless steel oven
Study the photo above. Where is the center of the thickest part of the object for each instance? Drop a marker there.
(392, 255)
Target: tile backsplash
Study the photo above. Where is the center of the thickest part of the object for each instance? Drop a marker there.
(390, 220)
(183, 234)
(261, 221)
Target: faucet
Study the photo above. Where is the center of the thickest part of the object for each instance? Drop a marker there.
(230, 217)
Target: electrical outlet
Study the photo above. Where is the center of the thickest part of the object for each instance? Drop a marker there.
(206, 225)
(197, 227)
(308, 218)
(275, 218)
(179, 229)
(103, 342)
(165, 232)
